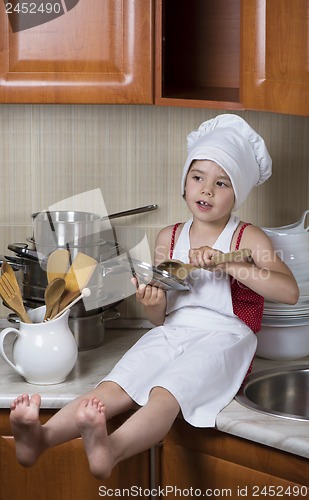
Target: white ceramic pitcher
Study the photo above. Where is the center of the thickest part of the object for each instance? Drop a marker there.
(43, 353)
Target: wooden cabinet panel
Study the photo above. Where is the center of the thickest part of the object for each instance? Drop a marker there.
(212, 461)
(96, 52)
(214, 477)
(63, 472)
(233, 54)
(275, 56)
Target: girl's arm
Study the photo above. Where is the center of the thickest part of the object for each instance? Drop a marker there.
(152, 297)
(265, 274)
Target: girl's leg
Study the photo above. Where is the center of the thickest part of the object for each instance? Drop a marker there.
(145, 428)
(32, 438)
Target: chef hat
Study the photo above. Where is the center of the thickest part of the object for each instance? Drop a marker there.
(229, 141)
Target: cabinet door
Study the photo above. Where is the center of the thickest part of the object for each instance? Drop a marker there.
(76, 51)
(275, 56)
(62, 473)
(210, 463)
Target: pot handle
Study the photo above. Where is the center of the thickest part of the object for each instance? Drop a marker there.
(16, 264)
(306, 212)
(109, 314)
(133, 211)
(3, 355)
(22, 250)
(13, 318)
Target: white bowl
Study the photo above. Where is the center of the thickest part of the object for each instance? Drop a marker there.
(303, 302)
(289, 241)
(303, 290)
(283, 342)
(294, 255)
(300, 272)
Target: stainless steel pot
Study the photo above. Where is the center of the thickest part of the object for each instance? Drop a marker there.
(89, 332)
(76, 231)
(100, 251)
(57, 229)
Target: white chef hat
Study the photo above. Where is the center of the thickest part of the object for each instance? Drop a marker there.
(229, 141)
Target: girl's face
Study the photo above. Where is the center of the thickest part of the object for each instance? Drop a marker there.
(209, 193)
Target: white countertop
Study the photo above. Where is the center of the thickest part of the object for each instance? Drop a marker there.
(288, 435)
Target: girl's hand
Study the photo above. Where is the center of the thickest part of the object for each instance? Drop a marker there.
(203, 256)
(149, 295)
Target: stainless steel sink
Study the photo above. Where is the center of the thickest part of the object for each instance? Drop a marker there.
(282, 392)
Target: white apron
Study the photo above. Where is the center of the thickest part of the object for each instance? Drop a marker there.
(202, 352)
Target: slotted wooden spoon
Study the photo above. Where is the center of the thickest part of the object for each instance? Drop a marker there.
(77, 278)
(12, 297)
(7, 268)
(181, 270)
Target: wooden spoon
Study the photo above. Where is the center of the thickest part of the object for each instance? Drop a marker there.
(181, 270)
(77, 278)
(57, 264)
(12, 297)
(7, 268)
(52, 296)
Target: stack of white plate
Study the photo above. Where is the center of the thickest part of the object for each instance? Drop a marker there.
(285, 328)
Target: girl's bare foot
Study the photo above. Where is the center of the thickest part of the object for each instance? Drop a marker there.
(91, 423)
(27, 428)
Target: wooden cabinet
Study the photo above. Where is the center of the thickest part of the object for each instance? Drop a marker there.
(221, 465)
(233, 54)
(193, 462)
(198, 53)
(84, 51)
(275, 68)
(63, 472)
(224, 54)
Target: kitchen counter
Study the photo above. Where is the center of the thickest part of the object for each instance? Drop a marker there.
(288, 435)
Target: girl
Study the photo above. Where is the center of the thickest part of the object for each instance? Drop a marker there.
(197, 356)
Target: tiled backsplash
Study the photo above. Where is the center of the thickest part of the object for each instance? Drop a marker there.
(134, 154)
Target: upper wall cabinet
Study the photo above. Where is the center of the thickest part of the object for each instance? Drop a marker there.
(276, 55)
(76, 51)
(198, 53)
(233, 54)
